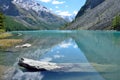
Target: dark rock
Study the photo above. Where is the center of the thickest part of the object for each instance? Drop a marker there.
(89, 4)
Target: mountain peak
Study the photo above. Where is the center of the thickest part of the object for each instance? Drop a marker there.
(30, 5)
(31, 14)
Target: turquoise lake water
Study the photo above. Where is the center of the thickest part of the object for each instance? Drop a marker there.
(97, 53)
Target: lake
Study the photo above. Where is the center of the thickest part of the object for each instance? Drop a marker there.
(85, 55)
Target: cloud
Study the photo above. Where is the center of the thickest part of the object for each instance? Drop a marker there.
(75, 46)
(51, 9)
(65, 45)
(19, 75)
(63, 13)
(58, 56)
(75, 12)
(58, 2)
(46, 1)
(47, 59)
(56, 7)
(58, 11)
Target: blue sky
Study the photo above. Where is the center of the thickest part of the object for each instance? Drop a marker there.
(63, 7)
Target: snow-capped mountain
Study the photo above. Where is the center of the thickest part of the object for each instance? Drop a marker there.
(69, 18)
(31, 14)
(30, 5)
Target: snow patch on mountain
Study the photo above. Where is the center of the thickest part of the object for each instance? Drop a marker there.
(30, 5)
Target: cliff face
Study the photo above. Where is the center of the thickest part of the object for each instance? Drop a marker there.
(89, 4)
(96, 15)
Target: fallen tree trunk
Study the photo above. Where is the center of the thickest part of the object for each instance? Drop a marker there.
(34, 65)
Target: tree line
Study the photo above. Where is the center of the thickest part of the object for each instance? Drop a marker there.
(2, 21)
(7, 23)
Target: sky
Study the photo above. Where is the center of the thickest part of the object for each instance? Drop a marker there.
(63, 7)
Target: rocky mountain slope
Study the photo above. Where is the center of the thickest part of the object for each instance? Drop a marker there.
(96, 15)
(31, 14)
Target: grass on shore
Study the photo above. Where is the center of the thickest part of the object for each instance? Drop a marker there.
(5, 35)
(6, 43)
(2, 31)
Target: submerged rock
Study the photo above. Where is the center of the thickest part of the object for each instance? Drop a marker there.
(23, 46)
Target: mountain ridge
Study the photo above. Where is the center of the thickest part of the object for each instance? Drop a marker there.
(96, 16)
(31, 14)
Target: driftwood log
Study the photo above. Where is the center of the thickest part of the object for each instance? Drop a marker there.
(34, 65)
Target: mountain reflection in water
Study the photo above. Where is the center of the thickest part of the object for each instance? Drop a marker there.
(94, 48)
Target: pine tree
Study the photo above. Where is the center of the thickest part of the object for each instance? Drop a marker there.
(2, 21)
(116, 22)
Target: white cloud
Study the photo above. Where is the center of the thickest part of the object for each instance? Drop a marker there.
(56, 7)
(75, 46)
(51, 9)
(63, 13)
(46, 1)
(47, 59)
(75, 12)
(58, 56)
(58, 2)
(65, 45)
(58, 11)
